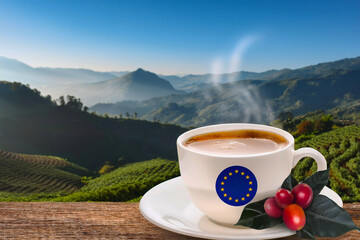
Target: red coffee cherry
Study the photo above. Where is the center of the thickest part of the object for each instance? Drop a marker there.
(284, 198)
(294, 217)
(272, 209)
(303, 195)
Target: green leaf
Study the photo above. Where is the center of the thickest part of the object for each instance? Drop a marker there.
(305, 233)
(289, 183)
(318, 181)
(254, 216)
(324, 218)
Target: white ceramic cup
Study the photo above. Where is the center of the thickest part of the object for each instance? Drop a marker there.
(200, 171)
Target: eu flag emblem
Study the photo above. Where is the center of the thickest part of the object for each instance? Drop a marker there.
(236, 185)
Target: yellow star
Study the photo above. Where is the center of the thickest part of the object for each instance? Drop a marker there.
(242, 199)
(247, 177)
(230, 198)
(250, 183)
(236, 171)
(225, 194)
(242, 173)
(230, 173)
(250, 189)
(248, 195)
(222, 183)
(225, 177)
(236, 200)
(222, 189)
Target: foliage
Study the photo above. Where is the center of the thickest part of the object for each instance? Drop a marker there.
(108, 167)
(305, 127)
(341, 149)
(33, 174)
(324, 124)
(324, 218)
(85, 180)
(287, 121)
(33, 124)
(126, 183)
(314, 125)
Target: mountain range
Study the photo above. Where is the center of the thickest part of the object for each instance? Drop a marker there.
(191, 83)
(91, 86)
(137, 85)
(323, 86)
(110, 87)
(42, 77)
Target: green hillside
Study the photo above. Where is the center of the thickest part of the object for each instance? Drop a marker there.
(33, 124)
(33, 174)
(126, 183)
(341, 148)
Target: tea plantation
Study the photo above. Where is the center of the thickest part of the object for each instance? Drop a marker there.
(43, 178)
(34, 175)
(126, 183)
(341, 148)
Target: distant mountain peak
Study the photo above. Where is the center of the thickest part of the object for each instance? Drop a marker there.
(140, 70)
(142, 73)
(137, 85)
(141, 76)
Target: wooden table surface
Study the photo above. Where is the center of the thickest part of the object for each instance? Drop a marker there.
(106, 220)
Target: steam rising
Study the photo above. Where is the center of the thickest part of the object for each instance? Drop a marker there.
(216, 70)
(246, 104)
(238, 52)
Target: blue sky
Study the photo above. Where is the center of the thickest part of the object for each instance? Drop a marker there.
(178, 36)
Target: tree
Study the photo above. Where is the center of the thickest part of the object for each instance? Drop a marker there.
(85, 180)
(285, 115)
(120, 116)
(62, 101)
(305, 127)
(287, 121)
(86, 109)
(127, 114)
(108, 167)
(48, 97)
(324, 124)
(74, 103)
(135, 115)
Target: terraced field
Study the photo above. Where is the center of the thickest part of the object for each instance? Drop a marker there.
(126, 183)
(341, 148)
(30, 174)
(55, 179)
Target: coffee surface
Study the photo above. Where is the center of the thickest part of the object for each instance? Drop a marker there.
(238, 142)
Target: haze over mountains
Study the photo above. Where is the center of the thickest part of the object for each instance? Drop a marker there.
(14, 70)
(324, 86)
(191, 83)
(137, 85)
(91, 86)
(110, 87)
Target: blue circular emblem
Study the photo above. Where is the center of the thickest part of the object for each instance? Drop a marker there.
(236, 185)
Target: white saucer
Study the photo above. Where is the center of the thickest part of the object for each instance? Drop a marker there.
(168, 206)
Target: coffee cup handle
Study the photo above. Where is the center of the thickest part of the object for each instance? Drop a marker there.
(310, 152)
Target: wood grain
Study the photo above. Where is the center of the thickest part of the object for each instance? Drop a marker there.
(104, 220)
